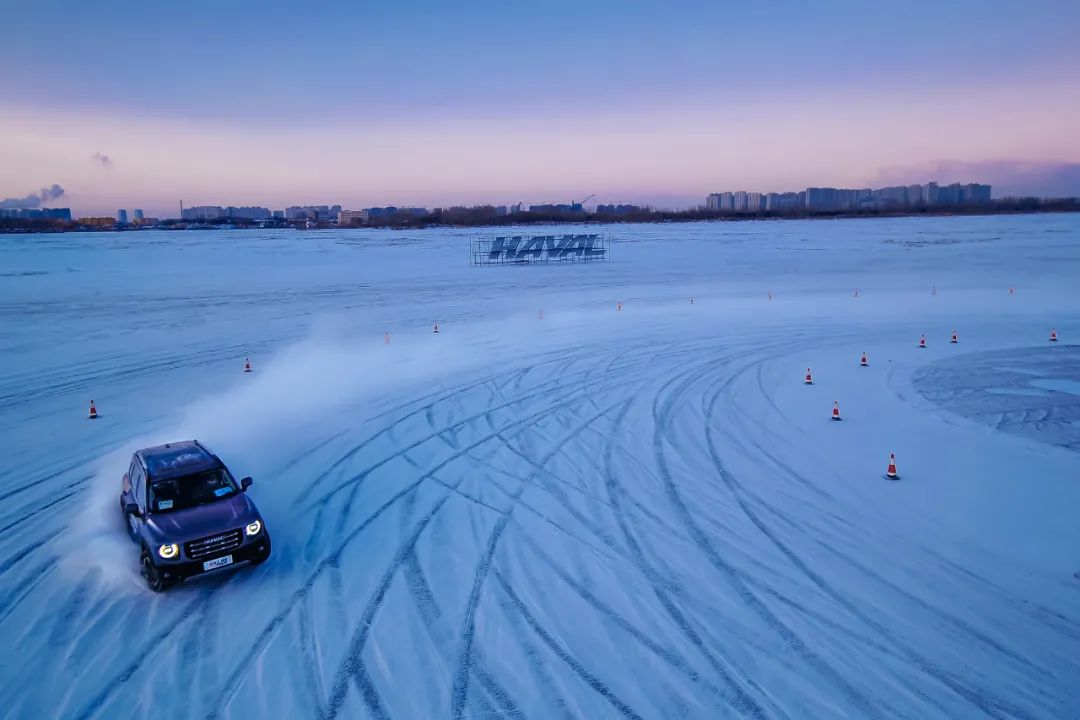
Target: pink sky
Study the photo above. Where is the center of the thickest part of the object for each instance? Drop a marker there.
(668, 154)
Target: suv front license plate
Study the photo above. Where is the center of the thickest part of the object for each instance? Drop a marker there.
(217, 562)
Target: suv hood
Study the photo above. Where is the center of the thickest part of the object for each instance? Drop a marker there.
(183, 525)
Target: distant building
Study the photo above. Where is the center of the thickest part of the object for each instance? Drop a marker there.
(312, 212)
(247, 213)
(557, 208)
(137, 215)
(838, 199)
(950, 194)
(976, 193)
(121, 217)
(822, 198)
(57, 213)
(618, 209)
(296, 212)
(203, 212)
(781, 202)
(376, 214)
(279, 214)
(36, 213)
(350, 217)
(96, 221)
(216, 212)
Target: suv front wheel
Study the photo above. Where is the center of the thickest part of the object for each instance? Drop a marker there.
(154, 579)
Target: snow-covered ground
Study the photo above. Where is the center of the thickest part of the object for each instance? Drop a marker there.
(641, 513)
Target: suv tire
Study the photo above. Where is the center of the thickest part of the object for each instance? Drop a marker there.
(154, 579)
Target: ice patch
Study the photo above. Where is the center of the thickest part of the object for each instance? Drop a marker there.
(1020, 391)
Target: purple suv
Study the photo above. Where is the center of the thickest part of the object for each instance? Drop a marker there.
(188, 515)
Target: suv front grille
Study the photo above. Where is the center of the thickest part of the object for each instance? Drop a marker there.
(222, 542)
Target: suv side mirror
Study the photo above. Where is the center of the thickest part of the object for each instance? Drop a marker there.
(132, 508)
(246, 483)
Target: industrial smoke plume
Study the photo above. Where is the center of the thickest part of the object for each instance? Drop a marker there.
(33, 200)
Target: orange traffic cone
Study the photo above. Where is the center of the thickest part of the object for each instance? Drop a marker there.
(247, 365)
(863, 361)
(93, 412)
(1053, 335)
(435, 327)
(386, 338)
(809, 379)
(954, 338)
(922, 342)
(891, 471)
(836, 410)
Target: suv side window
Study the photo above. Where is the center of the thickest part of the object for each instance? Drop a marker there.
(138, 486)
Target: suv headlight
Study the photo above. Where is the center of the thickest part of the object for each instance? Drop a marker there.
(253, 528)
(169, 551)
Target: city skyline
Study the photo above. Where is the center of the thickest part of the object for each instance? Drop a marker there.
(927, 194)
(423, 104)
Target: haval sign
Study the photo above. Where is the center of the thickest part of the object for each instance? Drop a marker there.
(502, 249)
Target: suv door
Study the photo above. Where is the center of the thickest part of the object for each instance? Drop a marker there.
(138, 487)
(138, 493)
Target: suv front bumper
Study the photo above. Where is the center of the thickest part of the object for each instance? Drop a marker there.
(255, 550)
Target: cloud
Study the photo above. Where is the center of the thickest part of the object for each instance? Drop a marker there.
(105, 160)
(1009, 177)
(33, 200)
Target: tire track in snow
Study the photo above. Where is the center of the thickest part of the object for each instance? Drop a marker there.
(670, 657)
(25, 514)
(662, 414)
(352, 666)
(553, 645)
(273, 625)
(156, 641)
(358, 478)
(981, 699)
(460, 690)
(428, 399)
(437, 433)
(737, 697)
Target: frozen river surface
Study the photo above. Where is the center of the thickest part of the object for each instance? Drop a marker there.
(596, 513)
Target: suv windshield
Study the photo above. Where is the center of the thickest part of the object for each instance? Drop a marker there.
(191, 490)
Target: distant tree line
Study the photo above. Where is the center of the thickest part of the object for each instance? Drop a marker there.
(488, 216)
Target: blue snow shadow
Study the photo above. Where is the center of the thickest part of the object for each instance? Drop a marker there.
(1032, 392)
